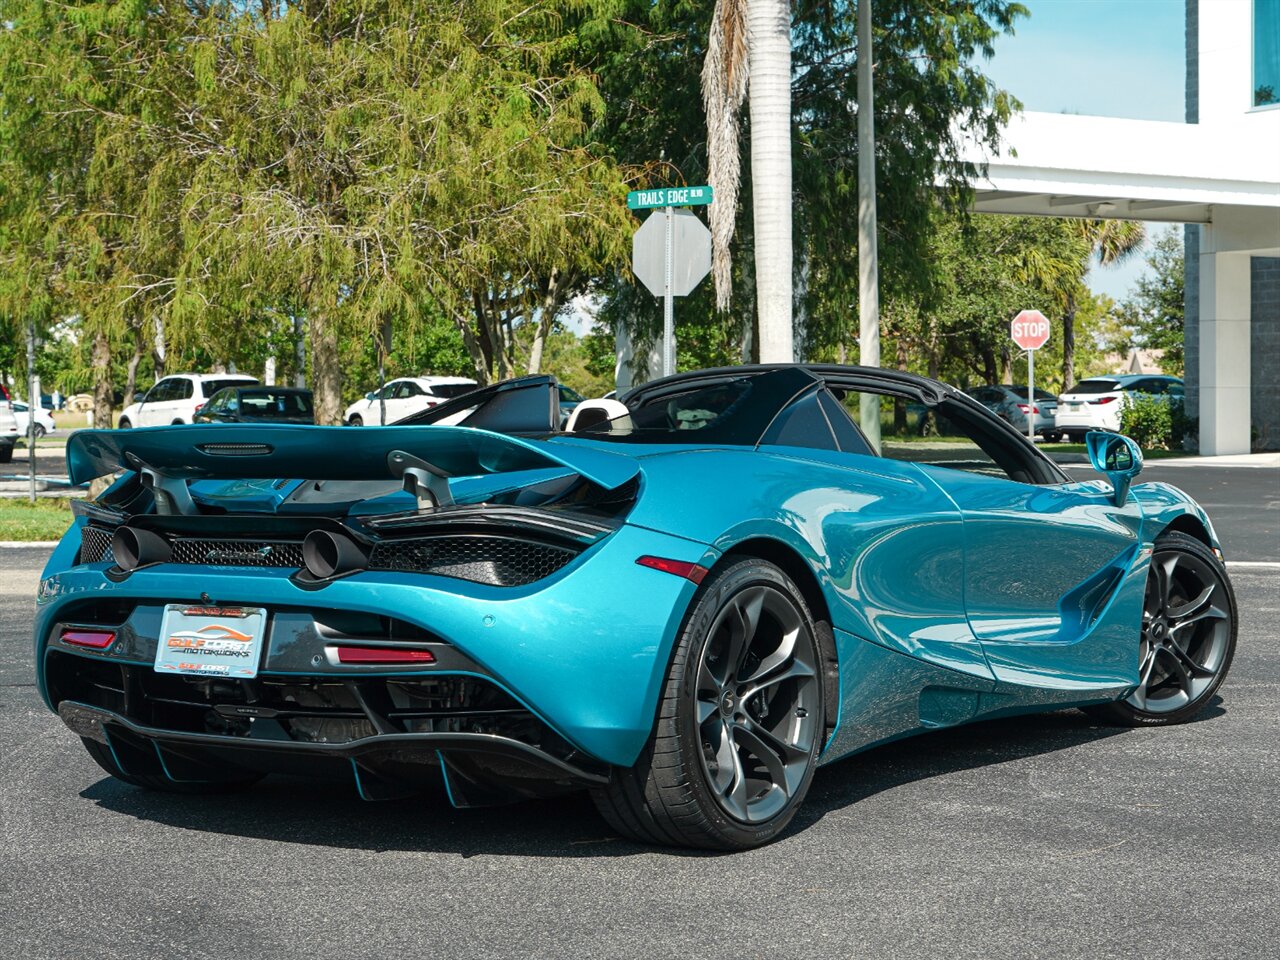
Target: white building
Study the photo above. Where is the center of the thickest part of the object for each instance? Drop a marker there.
(1219, 173)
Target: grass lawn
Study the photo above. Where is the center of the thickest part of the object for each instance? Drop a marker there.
(1052, 448)
(46, 519)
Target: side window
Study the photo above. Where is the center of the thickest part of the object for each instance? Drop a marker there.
(802, 425)
(956, 434)
(181, 389)
(161, 392)
(401, 391)
(218, 402)
(410, 389)
(848, 436)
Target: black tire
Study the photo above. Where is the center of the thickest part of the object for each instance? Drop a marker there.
(39, 431)
(1074, 437)
(6, 452)
(1053, 436)
(670, 796)
(1202, 656)
(125, 424)
(218, 782)
(356, 421)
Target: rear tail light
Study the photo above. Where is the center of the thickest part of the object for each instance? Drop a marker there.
(1026, 409)
(1105, 400)
(94, 639)
(376, 655)
(681, 568)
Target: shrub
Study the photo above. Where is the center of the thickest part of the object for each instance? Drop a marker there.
(1153, 422)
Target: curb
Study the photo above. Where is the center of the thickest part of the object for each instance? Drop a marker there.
(28, 543)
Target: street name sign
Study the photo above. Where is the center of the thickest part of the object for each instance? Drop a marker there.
(669, 197)
(1030, 330)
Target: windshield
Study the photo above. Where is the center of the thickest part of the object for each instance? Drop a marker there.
(1021, 393)
(450, 389)
(1095, 386)
(213, 386)
(272, 404)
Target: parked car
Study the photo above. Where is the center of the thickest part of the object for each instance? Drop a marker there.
(1009, 402)
(405, 396)
(1095, 403)
(176, 399)
(8, 426)
(569, 400)
(684, 607)
(44, 419)
(257, 404)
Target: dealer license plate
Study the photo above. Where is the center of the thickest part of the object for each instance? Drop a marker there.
(210, 641)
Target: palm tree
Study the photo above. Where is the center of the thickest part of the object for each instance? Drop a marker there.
(1110, 242)
(750, 40)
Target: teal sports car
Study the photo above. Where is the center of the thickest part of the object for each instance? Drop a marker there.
(684, 601)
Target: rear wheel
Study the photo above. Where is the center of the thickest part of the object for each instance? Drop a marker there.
(125, 424)
(218, 782)
(1188, 636)
(740, 723)
(6, 452)
(356, 421)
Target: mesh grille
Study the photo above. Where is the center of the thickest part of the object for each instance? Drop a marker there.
(238, 553)
(500, 561)
(496, 560)
(95, 545)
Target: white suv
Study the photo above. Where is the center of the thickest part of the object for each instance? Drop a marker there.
(405, 396)
(1096, 403)
(8, 427)
(176, 399)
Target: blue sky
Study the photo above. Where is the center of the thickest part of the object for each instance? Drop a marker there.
(1111, 58)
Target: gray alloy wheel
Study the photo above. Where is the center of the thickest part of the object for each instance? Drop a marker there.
(757, 703)
(740, 723)
(1188, 635)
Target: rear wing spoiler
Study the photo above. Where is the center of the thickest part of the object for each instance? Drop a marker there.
(304, 452)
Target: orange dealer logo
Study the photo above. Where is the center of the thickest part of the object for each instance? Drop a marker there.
(214, 636)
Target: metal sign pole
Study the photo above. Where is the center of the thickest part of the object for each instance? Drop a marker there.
(668, 301)
(33, 406)
(1031, 395)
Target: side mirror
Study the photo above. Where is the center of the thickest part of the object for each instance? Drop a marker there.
(369, 395)
(1116, 456)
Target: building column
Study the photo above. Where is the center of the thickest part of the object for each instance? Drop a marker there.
(1224, 353)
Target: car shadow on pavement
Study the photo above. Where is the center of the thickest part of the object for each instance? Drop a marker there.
(330, 814)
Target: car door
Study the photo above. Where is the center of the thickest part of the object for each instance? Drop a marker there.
(154, 404)
(1052, 576)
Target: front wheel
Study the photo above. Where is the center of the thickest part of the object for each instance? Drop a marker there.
(356, 421)
(1188, 636)
(125, 424)
(740, 723)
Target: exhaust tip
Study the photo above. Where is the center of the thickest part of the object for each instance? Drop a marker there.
(328, 555)
(133, 548)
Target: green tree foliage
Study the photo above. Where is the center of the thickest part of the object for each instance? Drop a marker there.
(215, 170)
(1155, 313)
(928, 88)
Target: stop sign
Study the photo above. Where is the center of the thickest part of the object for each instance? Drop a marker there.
(1030, 330)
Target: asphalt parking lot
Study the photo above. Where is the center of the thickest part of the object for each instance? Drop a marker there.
(1036, 837)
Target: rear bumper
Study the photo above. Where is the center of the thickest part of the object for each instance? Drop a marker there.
(585, 650)
(378, 763)
(1089, 419)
